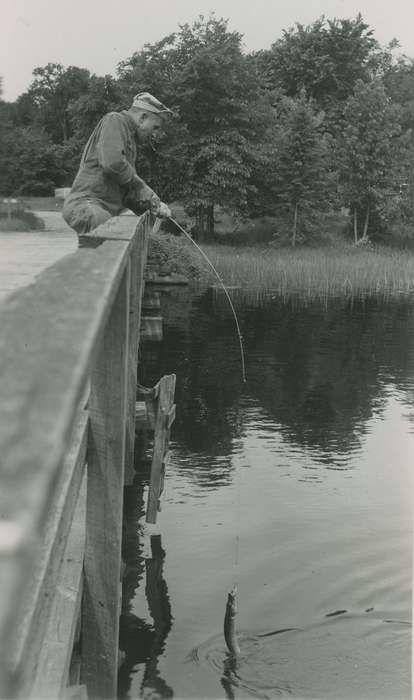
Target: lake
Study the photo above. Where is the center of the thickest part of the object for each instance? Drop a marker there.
(296, 485)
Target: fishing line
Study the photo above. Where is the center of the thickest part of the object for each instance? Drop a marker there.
(205, 256)
(238, 474)
(238, 515)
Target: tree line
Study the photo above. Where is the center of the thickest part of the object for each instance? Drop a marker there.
(323, 120)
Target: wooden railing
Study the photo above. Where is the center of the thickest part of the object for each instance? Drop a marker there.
(68, 360)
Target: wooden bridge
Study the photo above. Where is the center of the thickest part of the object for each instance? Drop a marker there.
(68, 373)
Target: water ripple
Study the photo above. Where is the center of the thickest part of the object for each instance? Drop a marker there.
(345, 656)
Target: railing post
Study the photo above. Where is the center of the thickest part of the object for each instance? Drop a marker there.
(138, 261)
(105, 464)
(165, 414)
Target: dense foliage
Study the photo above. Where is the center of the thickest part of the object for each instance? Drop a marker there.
(321, 121)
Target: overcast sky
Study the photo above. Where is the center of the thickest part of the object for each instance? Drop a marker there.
(97, 34)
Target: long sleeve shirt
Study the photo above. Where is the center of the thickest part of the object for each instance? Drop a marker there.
(108, 163)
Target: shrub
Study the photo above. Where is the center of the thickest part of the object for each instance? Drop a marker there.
(13, 224)
(170, 254)
(21, 219)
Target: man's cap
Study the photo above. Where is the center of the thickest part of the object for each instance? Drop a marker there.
(144, 100)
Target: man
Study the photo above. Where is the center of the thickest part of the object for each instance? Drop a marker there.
(107, 181)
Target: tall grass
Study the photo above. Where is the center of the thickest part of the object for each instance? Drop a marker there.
(338, 270)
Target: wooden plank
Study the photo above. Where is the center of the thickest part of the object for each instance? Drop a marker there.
(79, 289)
(151, 328)
(123, 227)
(171, 417)
(49, 333)
(141, 419)
(14, 554)
(166, 460)
(55, 653)
(161, 435)
(75, 664)
(34, 609)
(106, 455)
(150, 396)
(25, 255)
(151, 301)
(166, 280)
(138, 259)
(119, 228)
(76, 692)
(134, 324)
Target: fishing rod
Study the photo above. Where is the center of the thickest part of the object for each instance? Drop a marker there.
(205, 256)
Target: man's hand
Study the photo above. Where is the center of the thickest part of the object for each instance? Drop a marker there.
(164, 211)
(160, 209)
(139, 197)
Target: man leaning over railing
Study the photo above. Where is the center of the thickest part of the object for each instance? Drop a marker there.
(107, 182)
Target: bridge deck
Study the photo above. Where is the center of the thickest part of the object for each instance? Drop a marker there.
(68, 376)
(25, 255)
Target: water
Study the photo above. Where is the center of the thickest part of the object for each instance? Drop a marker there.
(296, 486)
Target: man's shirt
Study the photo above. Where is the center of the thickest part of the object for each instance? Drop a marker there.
(108, 163)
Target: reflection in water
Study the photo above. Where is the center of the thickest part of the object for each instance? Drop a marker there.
(233, 669)
(341, 658)
(308, 468)
(229, 678)
(319, 371)
(143, 643)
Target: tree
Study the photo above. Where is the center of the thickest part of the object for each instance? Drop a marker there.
(51, 92)
(202, 72)
(84, 112)
(26, 111)
(31, 163)
(366, 152)
(325, 59)
(399, 85)
(153, 69)
(301, 174)
(225, 117)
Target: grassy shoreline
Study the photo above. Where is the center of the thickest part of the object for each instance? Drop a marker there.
(332, 268)
(336, 270)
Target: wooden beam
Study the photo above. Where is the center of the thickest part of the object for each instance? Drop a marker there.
(161, 437)
(76, 692)
(34, 609)
(138, 259)
(52, 332)
(166, 280)
(151, 301)
(108, 406)
(54, 655)
(151, 328)
(49, 330)
(119, 228)
(171, 416)
(141, 418)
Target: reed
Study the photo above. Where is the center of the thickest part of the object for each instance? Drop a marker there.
(345, 270)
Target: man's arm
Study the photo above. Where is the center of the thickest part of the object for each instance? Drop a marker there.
(139, 197)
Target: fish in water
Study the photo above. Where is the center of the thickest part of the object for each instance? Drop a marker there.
(230, 623)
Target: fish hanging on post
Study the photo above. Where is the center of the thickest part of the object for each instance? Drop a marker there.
(230, 623)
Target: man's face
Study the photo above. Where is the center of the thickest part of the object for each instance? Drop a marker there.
(150, 128)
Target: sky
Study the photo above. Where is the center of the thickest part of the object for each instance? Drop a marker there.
(97, 34)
